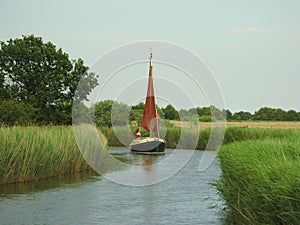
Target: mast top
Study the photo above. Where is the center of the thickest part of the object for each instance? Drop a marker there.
(150, 69)
(150, 56)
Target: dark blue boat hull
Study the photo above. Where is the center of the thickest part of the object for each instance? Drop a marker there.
(151, 146)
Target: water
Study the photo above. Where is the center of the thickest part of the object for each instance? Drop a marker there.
(186, 198)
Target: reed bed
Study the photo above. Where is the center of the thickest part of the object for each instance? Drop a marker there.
(122, 136)
(260, 179)
(249, 124)
(33, 153)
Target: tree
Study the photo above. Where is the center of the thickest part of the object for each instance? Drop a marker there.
(204, 111)
(139, 106)
(227, 113)
(16, 113)
(111, 113)
(43, 76)
(216, 114)
(103, 113)
(204, 114)
(266, 113)
(136, 112)
(82, 114)
(160, 112)
(120, 114)
(242, 116)
(170, 113)
(292, 115)
(211, 113)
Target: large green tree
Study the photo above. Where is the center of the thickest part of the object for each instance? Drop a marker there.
(39, 74)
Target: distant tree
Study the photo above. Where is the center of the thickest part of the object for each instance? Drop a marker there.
(139, 106)
(216, 113)
(269, 114)
(227, 113)
(279, 115)
(136, 112)
(120, 114)
(136, 115)
(170, 113)
(103, 113)
(204, 114)
(241, 116)
(111, 113)
(205, 118)
(82, 114)
(292, 115)
(204, 111)
(160, 112)
(264, 113)
(212, 113)
(43, 76)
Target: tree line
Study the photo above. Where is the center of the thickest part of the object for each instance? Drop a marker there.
(103, 109)
(38, 84)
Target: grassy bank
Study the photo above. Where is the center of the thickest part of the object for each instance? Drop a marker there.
(174, 134)
(33, 153)
(260, 178)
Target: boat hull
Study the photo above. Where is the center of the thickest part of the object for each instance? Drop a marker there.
(148, 145)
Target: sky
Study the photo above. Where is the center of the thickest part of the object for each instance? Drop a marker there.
(251, 47)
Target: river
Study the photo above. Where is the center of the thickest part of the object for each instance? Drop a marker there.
(185, 198)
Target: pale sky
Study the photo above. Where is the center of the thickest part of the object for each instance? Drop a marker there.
(252, 47)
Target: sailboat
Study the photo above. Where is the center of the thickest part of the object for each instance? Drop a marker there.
(150, 122)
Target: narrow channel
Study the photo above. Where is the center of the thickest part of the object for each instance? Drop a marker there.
(185, 198)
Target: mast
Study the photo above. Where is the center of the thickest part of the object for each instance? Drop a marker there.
(150, 120)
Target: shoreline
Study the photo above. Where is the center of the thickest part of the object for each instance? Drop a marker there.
(35, 153)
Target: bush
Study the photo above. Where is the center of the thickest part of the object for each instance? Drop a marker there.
(16, 113)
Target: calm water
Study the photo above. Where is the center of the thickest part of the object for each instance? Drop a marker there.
(186, 198)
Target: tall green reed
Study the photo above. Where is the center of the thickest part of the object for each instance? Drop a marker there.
(32, 153)
(260, 179)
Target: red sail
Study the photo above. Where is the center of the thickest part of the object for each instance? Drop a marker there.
(150, 120)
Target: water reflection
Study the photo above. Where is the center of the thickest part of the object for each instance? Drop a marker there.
(63, 181)
(147, 161)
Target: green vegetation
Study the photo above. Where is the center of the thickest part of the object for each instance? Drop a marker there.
(16, 113)
(260, 167)
(111, 113)
(124, 135)
(39, 81)
(170, 113)
(121, 136)
(260, 179)
(173, 135)
(33, 153)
